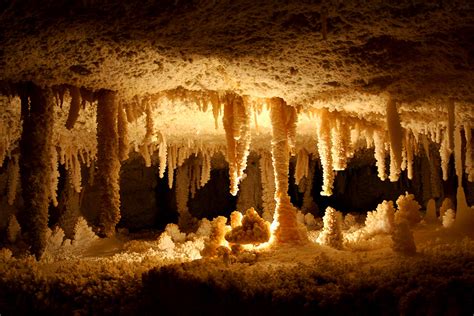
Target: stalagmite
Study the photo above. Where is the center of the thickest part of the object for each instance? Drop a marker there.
(430, 216)
(283, 118)
(469, 153)
(35, 160)
(324, 150)
(13, 179)
(395, 134)
(108, 162)
(122, 125)
(236, 122)
(379, 152)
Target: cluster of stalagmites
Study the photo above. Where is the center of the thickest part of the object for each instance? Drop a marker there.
(45, 127)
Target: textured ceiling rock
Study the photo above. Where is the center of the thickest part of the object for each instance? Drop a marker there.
(302, 51)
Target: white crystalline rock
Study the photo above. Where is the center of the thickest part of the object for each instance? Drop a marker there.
(204, 229)
(448, 218)
(235, 219)
(175, 233)
(395, 134)
(402, 238)
(324, 150)
(84, 236)
(13, 229)
(332, 233)
(162, 154)
(381, 220)
(236, 121)
(379, 153)
(165, 242)
(408, 209)
(430, 216)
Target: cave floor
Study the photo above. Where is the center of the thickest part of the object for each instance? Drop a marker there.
(129, 274)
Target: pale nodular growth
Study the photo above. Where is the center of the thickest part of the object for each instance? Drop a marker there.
(35, 162)
(408, 209)
(267, 177)
(395, 134)
(445, 154)
(122, 125)
(331, 234)
(236, 122)
(283, 118)
(302, 165)
(469, 153)
(162, 154)
(379, 152)
(13, 178)
(108, 162)
(236, 219)
(448, 218)
(324, 150)
(381, 220)
(252, 230)
(216, 237)
(340, 134)
(172, 163)
(446, 205)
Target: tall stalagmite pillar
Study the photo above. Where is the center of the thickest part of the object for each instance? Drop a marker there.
(35, 156)
(108, 162)
(283, 119)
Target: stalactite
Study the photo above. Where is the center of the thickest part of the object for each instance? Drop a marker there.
(108, 162)
(469, 153)
(172, 163)
(379, 152)
(283, 118)
(339, 144)
(75, 173)
(409, 150)
(13, 178)
(216, 107)
(267, 177)
(206, 168)
(145, 146)
(395, 134)
(236, 123)
(54, 176)
(458, 154)
(445, 154)
(302, 165)
(162, 154)
(122, 125)
(324, 150)
(74, 108)
(35, 161)
(450, 125)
